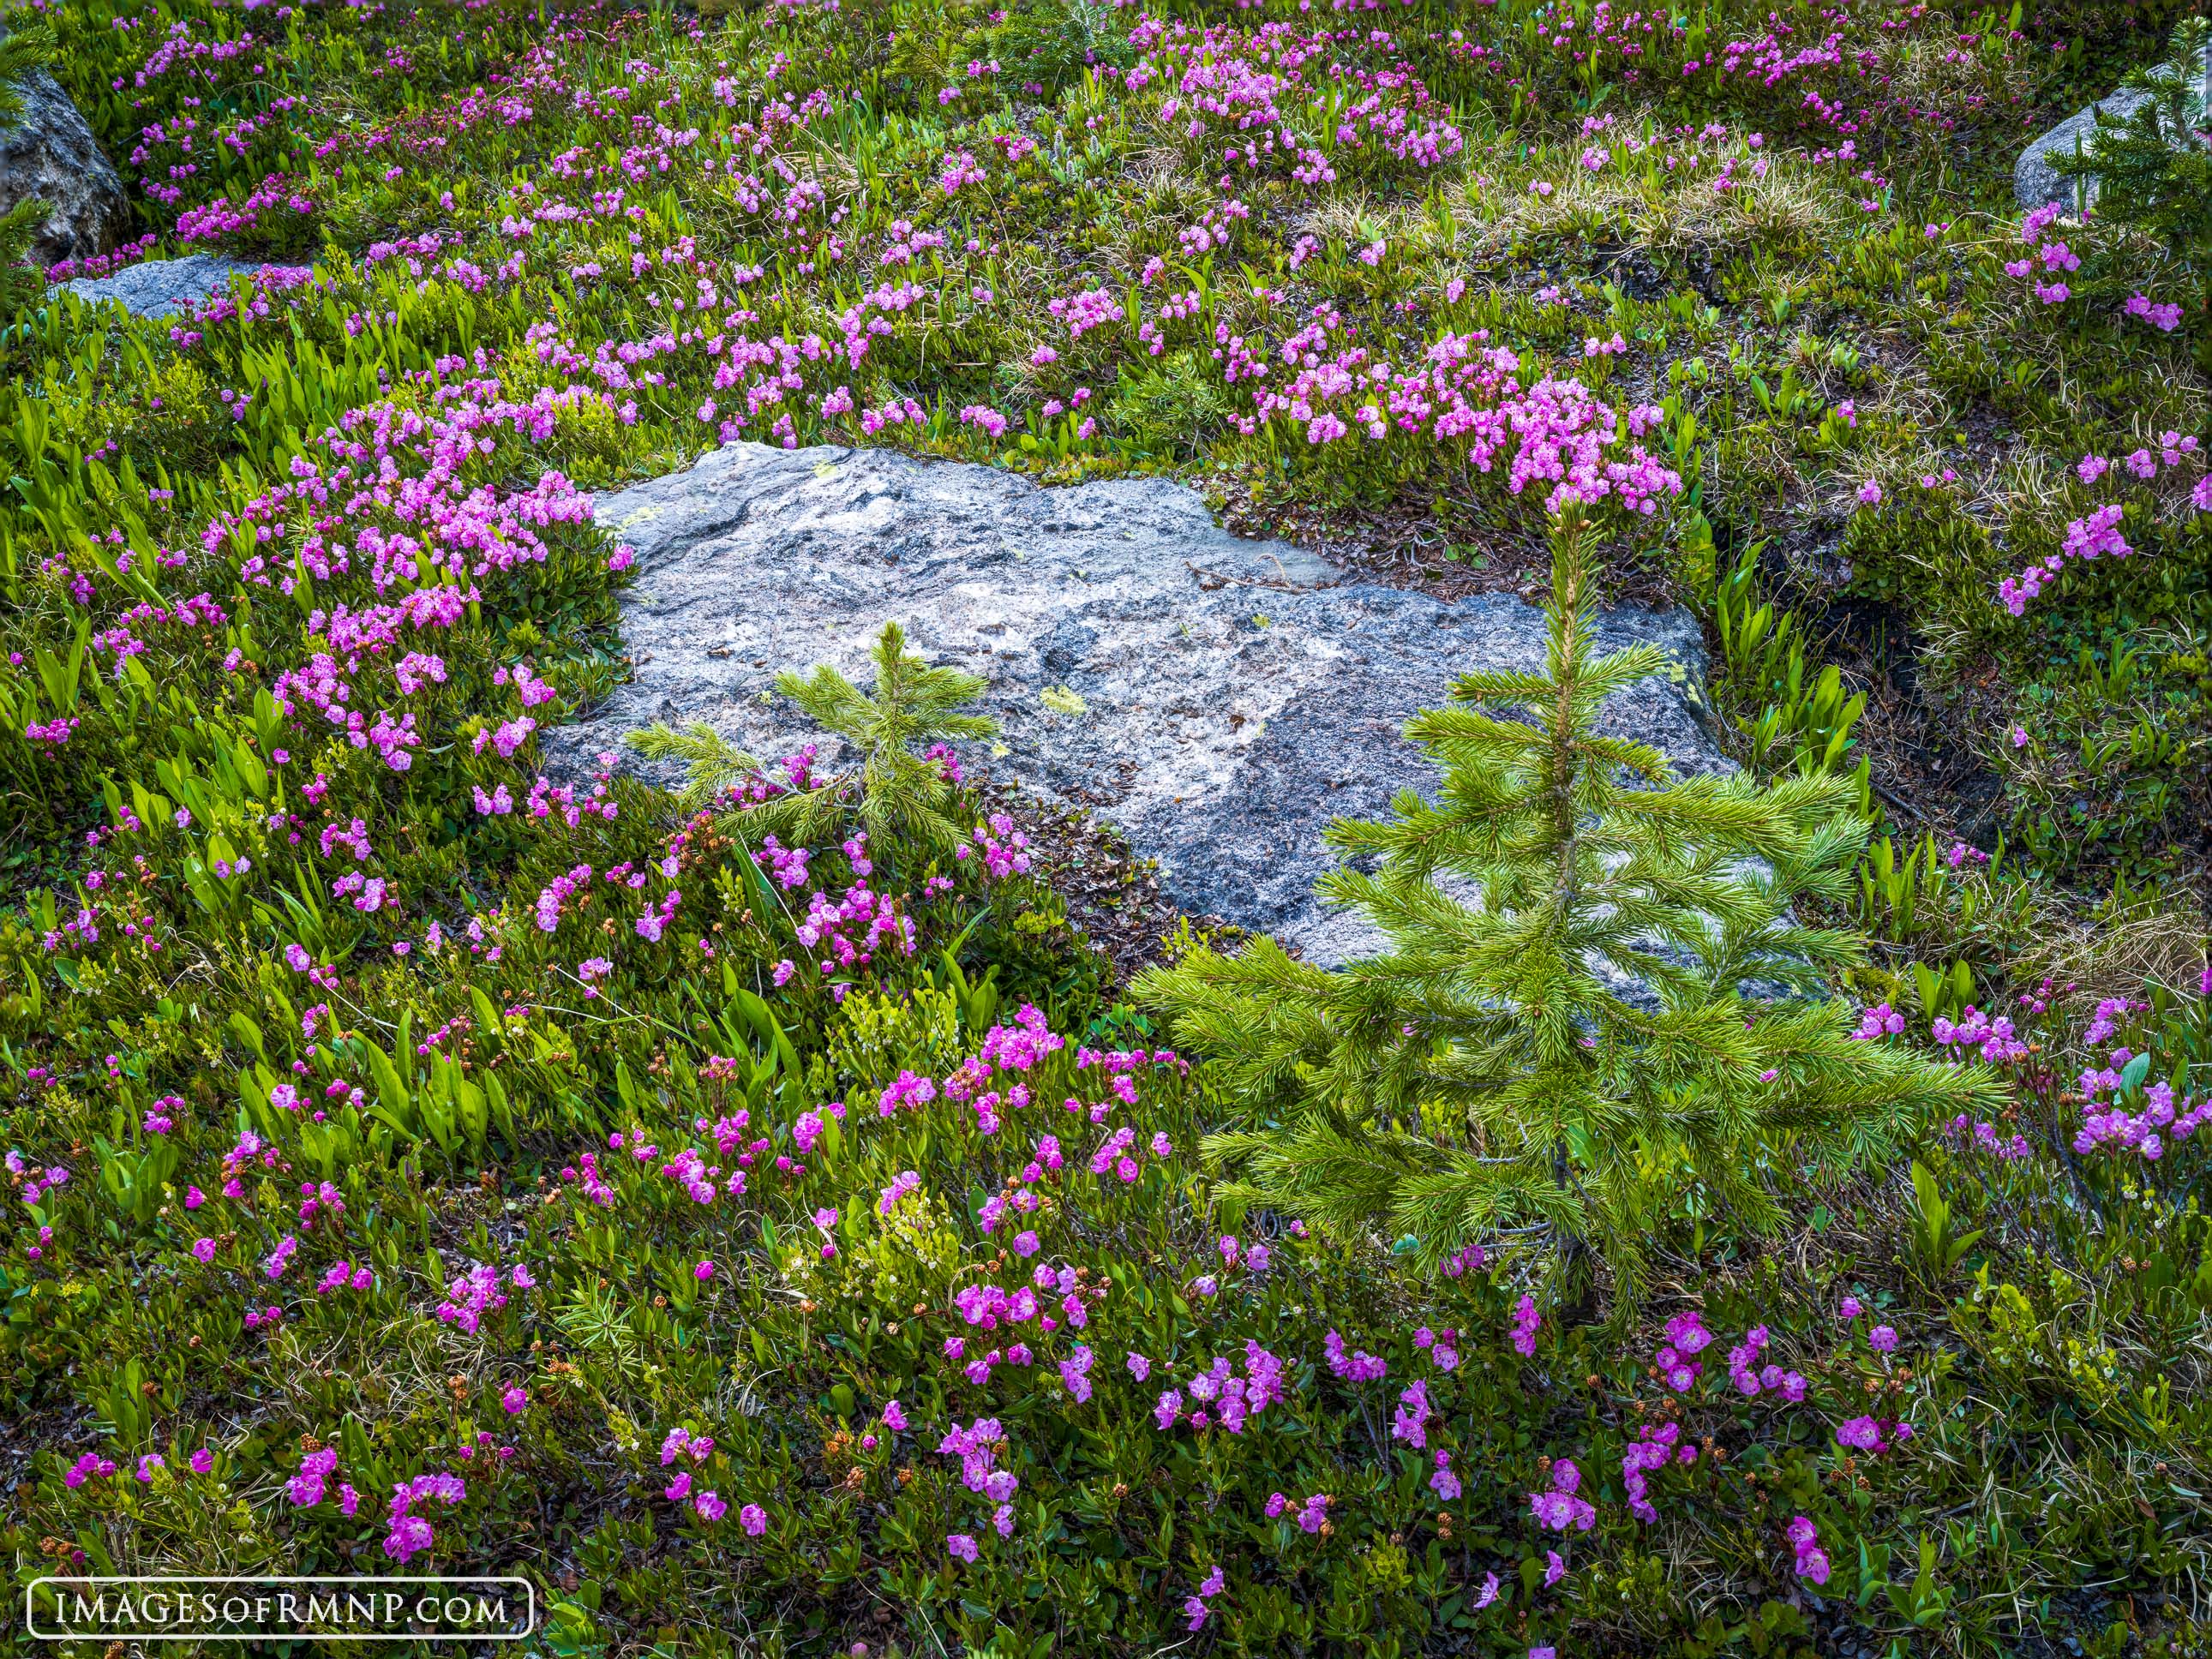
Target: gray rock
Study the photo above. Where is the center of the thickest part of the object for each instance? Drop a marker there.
(51, 153)
(162, 288)
(1235, 696)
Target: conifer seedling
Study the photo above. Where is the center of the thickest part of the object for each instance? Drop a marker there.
(1496, 1076)
(903, 796)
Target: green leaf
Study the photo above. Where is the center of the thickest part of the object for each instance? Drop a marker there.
(248, 1033)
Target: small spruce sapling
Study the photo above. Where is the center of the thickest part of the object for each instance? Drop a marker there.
(1481, 1080)
(902, 797)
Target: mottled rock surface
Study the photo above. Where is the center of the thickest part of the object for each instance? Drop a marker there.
(1219, 700)
(162, 288)
(51, 153)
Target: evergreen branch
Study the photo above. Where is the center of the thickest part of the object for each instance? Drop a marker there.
(711, 763)
(24, 50)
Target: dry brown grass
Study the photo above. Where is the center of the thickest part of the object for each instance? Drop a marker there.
(2157, 939)
(1162, 195)
(1355, 219)
(1680, 214)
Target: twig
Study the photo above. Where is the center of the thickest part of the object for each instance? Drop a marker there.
(1890, 799)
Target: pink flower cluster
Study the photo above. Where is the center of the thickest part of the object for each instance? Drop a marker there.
(2097, 534)
(219, 218)
(1559, 1508)
(1004, 849)
(1443, 1482)
(410, 1534)
(1686, 1338)
(1218, 1395)
(902, 1183)
(1556, 433)
(1995, 1040)
(830, 927)
(1964, 1131)
(978, 1447)
(1804, 1540)
(682, 1443)
(1409, 1423)
(2107, 1123)
(1652, 1450)
(477, 1292)
(1772, 1378)
(1193, 1607)
(1312, 1515)
(1872, 1434)
(1526, 1323)
(1879, 1021)
(2052, 257)
(2163, 317)
(1356, 1366)
(305, 1489)
(343, 1275)
(91, 1466)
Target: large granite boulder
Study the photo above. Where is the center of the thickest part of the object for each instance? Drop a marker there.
(1219, 700)
(51, 153)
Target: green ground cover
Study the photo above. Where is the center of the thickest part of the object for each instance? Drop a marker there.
(815, 1244)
